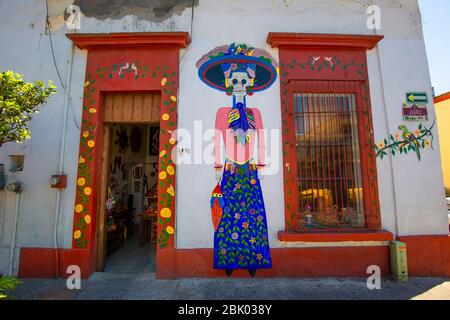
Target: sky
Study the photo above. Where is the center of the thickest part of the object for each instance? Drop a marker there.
(436, 27)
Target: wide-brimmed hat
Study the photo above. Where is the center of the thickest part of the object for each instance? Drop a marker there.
(215, 66)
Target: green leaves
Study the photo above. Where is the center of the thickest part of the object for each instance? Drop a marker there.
(7, 284)
(19, 100)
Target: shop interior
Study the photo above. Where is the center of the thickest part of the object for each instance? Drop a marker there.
(132, 198)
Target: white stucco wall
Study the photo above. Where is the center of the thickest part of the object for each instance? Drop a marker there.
(411, 192)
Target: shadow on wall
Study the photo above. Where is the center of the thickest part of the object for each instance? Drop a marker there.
(156, 10)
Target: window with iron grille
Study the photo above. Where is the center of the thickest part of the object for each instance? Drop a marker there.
(328, 118)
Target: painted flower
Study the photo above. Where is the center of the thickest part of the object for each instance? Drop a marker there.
(163, 81)
(77, 234)
(166, 213)
(86, 134)
(86, 84)
(252, 211)
(252, 240)
(173, 98)
(241, 258)
(170, 170)
(237, 186)
(381, 145)
(165, 117)
(81, 160)
(87, 191)
(221, 230)
(162, 153)
(226, 209)
(81, 181)
(234, 66)
(92, 110)
(162, 175)
(172, 141)
(223, 252)
(264, 237)
(253, 181)
(260, 218)
(417, 132)
(91, 143)
(427, 143)
(87, 218)
(234, 236)
(245, 225)
(259, 256)
(78, 208)
(237, 216)
(397, 136)
(171, 191)
(170, 230)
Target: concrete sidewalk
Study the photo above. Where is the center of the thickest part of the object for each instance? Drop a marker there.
(145, 286)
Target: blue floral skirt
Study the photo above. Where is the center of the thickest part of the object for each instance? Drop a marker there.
(241, 240)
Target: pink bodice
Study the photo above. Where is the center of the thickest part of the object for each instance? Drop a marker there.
(237, 152)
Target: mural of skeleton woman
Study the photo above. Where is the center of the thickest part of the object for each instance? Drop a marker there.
(241, 234)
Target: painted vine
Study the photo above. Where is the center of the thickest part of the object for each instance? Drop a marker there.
(90, 122)
(406, 141)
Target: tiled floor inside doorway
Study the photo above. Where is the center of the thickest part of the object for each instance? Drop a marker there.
(132, 258)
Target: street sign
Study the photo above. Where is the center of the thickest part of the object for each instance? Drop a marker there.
(415, 108)
(417, 97)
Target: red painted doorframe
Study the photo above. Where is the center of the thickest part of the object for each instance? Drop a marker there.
(127, 62)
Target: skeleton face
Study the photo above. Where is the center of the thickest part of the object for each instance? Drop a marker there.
(239, 81)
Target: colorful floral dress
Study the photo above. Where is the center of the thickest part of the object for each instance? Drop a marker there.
(241, 239)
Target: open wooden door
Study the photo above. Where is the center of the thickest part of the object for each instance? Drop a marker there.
(101, 216)
(119, 108)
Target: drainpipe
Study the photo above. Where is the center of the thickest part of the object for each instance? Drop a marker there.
(383, 93)
(62, 157)
(17, 188)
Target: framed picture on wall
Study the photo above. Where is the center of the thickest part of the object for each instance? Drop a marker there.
(153, 141)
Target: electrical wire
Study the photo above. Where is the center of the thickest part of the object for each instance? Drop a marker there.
(192, 18)
(49, 28)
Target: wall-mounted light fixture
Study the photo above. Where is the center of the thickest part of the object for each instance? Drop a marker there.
(16, 163)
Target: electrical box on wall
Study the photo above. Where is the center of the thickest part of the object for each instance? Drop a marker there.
(399, 262)
(58, 181)
(16, 163)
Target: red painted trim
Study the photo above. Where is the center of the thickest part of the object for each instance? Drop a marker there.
(292, 262)
(442, 97)
(198, 263)
(40, 262)
(102, 40)
(335, 236)
(345, 67)
(156, 58)
(281, 39)
(428, 255)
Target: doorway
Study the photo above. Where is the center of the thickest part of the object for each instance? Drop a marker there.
(128, 185)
